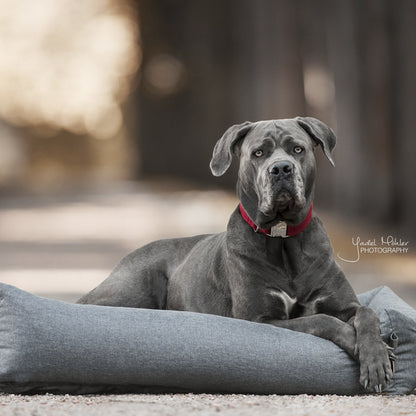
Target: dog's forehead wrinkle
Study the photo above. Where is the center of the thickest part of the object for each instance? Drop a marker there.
(280, 131)
(266, 128)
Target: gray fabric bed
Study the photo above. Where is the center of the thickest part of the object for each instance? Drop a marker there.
(53, 346)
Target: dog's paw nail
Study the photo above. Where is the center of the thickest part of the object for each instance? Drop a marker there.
(377, 388)
(365, 384)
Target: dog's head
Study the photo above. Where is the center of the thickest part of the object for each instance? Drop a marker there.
(277, 165)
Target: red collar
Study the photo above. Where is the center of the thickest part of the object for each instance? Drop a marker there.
(281, 229)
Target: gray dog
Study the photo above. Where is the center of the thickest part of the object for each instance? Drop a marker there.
(275, 262)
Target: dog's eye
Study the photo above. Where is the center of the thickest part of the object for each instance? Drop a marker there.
(298, 149)
(258, 153)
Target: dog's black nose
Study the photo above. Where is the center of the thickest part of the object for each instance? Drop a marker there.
(281, 169)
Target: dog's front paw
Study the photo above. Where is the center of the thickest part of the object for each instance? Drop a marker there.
(375, 365)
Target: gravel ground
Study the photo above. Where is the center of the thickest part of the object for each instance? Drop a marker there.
(207, 404)
(61, 246)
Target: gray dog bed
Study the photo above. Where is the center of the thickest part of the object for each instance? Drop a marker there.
(53, 346)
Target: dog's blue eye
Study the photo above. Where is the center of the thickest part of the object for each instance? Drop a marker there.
(298, 149)
(258, 153)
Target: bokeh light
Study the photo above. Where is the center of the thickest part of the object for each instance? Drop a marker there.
(67, 64)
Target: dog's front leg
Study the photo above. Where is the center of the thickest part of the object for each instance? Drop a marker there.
(360, 338)
(373, 354)
(323, 326)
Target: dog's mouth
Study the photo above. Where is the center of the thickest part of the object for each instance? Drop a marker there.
(281, 202)
(284, 201)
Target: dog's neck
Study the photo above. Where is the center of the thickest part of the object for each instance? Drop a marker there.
(281, 229)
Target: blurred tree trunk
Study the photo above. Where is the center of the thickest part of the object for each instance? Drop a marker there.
(343, 46)
(376, 67)
(403, 141)
(180, 117)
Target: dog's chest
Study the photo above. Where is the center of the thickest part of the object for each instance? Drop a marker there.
(284, 306)
(287, 302)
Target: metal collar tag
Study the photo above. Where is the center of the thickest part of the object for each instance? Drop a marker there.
(279, 230)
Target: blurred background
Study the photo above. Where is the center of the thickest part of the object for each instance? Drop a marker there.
(109, 110)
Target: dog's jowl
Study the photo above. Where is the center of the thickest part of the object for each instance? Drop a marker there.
(274, 263)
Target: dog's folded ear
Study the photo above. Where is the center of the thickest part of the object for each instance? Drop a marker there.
(224, 149)
(320, 133)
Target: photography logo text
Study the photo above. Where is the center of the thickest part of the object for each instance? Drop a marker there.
(383, 245)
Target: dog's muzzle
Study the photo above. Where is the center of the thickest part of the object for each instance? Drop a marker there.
(280, 188)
